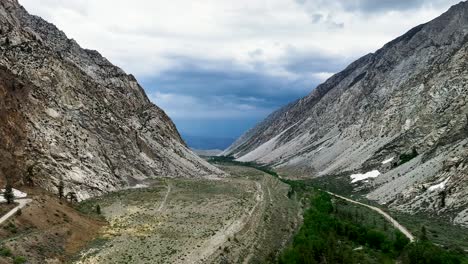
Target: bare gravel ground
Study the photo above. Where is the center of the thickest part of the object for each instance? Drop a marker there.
(243, 219)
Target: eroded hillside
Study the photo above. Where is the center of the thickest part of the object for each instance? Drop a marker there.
(78, 117)
(410, 97)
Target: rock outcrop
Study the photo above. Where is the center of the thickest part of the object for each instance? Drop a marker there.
(68, 113)
(401, 110)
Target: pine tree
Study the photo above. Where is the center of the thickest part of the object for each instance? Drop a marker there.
(423, 234)
(443, 196)
(61, 188)
(8, 194)
(28, 178)
(98, 209)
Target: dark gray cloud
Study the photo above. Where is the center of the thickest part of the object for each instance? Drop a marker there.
(204, 78)
(381, 5)
(232, 99)
(377, 6)
(238, 60)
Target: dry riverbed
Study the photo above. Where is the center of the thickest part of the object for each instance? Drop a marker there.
(242, 219)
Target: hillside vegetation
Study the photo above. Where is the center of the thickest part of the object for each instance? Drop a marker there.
(335, 231)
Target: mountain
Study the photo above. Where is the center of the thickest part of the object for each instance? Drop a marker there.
(399, 114)
(68, 113)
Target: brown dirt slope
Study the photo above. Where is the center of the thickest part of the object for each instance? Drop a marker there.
(13, 106)
(47, 230)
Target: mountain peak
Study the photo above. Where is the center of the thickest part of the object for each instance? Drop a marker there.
(83, 120)
(408, 97)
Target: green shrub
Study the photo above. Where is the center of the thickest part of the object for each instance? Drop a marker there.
(406, 157)
(5, 252)
(424, 252)
(19, 260)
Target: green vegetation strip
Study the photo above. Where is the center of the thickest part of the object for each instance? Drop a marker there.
(339, 232)
(232, 161)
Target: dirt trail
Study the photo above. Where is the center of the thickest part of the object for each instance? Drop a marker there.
(384, 214)
(163, 203)
(21, 204)
(212, 245)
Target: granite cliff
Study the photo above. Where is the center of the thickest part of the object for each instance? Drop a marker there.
(68, 113)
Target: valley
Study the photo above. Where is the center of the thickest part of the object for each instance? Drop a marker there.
(371, 166)
(252, 216)
(246, 218)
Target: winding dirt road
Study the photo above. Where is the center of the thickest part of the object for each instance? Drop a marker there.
(380, 211)
(21, 204)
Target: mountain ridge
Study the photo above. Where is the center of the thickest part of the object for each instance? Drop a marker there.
(410, 94)
(85, 121)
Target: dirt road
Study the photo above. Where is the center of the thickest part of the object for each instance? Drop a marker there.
(21, 204)
(384, 214)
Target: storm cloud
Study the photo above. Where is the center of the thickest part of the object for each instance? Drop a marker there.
(219, 66)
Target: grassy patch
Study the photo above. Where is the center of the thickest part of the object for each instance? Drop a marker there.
(440, 231)
(6, 253)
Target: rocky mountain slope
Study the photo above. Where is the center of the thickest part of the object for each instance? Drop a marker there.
(400, 113)
(67, 112)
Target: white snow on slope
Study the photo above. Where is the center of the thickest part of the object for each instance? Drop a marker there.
(367, 175)
(439, 186)
(16, 193)
(388, 160)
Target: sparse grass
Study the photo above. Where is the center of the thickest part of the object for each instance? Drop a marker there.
(439, 230)
(240, 216)
(194, 211)
(224, 160)
(6, 253)
(5, 208)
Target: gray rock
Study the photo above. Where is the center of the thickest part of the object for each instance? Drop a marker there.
(411, 94)
(78, 117)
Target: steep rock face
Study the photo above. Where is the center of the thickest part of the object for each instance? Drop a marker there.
(411, 94)
(79, 117)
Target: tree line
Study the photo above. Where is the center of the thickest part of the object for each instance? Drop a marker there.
(329, 235)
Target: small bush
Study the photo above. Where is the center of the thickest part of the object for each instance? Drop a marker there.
(19, 260)
(405, 157)
(5, 252)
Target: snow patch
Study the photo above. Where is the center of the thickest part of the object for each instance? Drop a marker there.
(439, 186)
(140, 186)
(367, 175)
(407, 125)
(388, 160)
(17, 193)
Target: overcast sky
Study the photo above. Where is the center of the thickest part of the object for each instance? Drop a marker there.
(219, 66)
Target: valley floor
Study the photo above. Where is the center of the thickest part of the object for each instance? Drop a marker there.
(246, 218)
